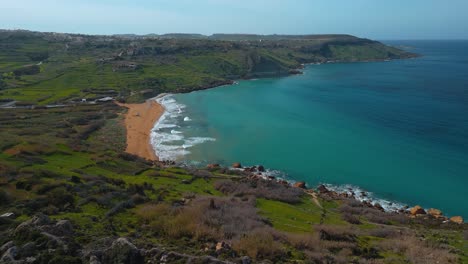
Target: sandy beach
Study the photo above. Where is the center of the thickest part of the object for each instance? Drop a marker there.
(139, 121)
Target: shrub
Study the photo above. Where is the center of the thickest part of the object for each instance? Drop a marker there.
(27, 70)
(383, 232)
(60, 197)
(120, 207)
(418, 251)
(304, 241)
(262, 189)
(204, 219)
(260, 244)
(335, 233)
(350, 218)
(4, 198)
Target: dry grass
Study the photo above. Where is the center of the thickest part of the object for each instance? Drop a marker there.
(260, 244)
(418, 251)
(261, 189)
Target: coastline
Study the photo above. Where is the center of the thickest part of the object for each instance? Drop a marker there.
(139, 120)
(151, 111)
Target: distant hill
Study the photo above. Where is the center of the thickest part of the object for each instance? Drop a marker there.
(47, 67)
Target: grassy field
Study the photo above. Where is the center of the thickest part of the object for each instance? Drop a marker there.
(47, 68)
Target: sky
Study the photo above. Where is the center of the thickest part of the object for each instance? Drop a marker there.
(376, 19)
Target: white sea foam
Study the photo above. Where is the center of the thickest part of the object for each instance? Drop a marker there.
(170, 143)
(365, 196)
(358, 193)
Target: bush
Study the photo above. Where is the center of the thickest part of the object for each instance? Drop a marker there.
(260, 244)
(60, 197)
(120, 207)
(418, 251)
(204, 219)
(304, 241)
(335, 233)
(262, 189)
(350, 218)
(28, 70)
(4, 198)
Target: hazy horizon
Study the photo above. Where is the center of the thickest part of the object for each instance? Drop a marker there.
(396, 20)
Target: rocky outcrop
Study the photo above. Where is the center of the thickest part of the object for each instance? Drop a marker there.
(417, 210)
(300, 184)
(322, 189)
(212, 166)
(457, 219)
(122, 251)
(435, 213)
(10, 255)
(237, 165)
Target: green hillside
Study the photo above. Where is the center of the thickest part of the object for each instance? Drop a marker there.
(47, 68)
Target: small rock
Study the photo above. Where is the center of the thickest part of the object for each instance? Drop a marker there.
(417, 210)
(300, 184)
(213, 166)
(28, 249)
(94, 260)
(8, 215)
(31, 260)
(236, 165)
(457, 219)
(261, 168)
(9, 255)
(246, 260)
(221, 245)
(122, 251)
(434, 212)
(379, 207)
(6, 246)
(322, 189)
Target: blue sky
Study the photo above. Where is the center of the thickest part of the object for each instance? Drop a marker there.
(377, 19)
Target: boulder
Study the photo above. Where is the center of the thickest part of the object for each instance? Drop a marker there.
(246, 260)
(236, 165)
(122, 251)
(457, 219)
(28, 249)
(417, 210)
(6, 246)
(300, 184)
(220, 246)
(261, 168)
(9, 255)
(62, 228)
(434, 212)
(94, 260)
(322, 189)
(379, 207)
(212, 166)
(37, 221)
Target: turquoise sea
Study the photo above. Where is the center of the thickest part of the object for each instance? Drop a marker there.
(398, 129)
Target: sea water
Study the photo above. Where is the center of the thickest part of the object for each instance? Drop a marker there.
(398, 129)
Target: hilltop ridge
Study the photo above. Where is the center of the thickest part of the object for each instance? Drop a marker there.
(52, 68)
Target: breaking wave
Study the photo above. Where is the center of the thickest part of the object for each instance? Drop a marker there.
(167, 137)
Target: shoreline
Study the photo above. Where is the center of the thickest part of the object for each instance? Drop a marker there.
(139, 121)
(151, 111)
